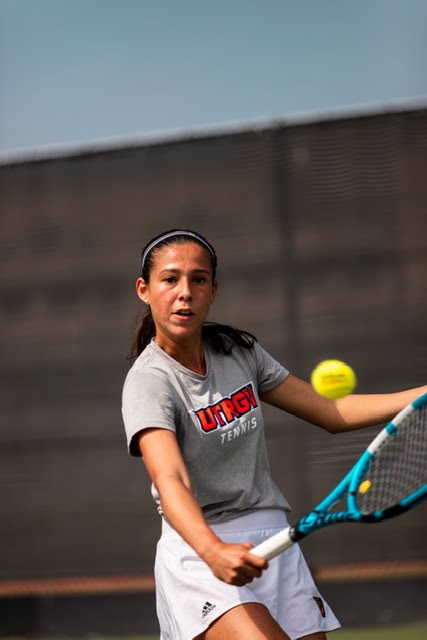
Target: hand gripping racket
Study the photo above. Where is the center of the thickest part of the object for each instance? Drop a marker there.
(388, 479)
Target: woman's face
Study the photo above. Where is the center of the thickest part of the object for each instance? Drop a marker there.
(180, 291)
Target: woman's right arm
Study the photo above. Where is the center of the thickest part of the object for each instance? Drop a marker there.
(231, 563)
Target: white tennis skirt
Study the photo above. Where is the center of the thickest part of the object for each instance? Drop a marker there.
(189, 597)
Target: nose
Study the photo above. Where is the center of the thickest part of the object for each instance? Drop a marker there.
(185, 293)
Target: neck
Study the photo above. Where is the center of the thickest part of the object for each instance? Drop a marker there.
(189, 355)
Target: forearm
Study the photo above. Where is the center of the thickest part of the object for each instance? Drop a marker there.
(352, 412)
(184, 514)
(357, 411)
(229, 562)
(168, 472)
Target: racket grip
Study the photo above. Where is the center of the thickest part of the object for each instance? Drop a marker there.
(274, 545)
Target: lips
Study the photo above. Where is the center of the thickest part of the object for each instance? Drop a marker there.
(184, 313)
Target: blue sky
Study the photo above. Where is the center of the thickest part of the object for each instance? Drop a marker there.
(78, 72)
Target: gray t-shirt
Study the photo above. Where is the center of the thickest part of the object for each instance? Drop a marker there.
(218, 423)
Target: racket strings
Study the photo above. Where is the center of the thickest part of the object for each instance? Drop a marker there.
(399, 469)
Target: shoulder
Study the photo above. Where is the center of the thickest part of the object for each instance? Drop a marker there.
(149, 371)
(242, 357)
(269, 371)
(143, 361)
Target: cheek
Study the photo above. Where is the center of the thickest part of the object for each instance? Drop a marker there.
(161, 300)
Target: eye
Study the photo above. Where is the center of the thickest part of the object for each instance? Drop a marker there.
(200, 279)
(169, 279)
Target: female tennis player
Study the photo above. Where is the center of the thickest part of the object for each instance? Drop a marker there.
(192, 409)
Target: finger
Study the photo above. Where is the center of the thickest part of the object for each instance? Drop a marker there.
(241, 580)
(256, 561)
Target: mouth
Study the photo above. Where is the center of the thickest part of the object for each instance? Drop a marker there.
(184, 313)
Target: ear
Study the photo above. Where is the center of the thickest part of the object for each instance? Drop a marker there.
(142, 290)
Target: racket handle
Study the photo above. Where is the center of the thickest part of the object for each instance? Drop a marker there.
(271, 547)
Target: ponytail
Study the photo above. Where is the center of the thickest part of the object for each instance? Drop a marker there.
(223, 337)
(144, 333)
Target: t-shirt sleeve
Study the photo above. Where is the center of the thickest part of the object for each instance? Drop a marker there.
(270, 373)
(147, 402)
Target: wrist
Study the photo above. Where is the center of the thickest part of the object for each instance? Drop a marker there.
(209, 547)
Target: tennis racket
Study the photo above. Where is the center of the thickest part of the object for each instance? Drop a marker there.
(389, 478)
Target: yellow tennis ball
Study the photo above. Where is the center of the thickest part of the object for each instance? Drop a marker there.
(333, 379)
(365, 486)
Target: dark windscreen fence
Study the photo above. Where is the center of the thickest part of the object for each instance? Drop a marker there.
(321, 234)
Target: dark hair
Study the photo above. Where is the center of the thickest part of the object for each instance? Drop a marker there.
(174, 236)
(221, 337)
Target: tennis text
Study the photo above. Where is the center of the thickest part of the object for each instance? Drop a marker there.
(238, 430)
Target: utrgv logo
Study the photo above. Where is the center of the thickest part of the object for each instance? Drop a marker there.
(228, 409)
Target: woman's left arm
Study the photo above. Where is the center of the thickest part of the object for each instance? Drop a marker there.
(351, 412)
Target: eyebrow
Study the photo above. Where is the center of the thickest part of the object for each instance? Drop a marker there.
(173, 270)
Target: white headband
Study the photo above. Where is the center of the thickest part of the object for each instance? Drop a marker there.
(170, 235)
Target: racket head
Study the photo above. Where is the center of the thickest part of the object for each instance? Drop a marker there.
(391, 476)
(388, 462)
